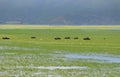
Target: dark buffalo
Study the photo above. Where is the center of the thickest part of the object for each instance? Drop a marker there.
(5, 38)
(76, 38)
(86, 38)
(33, 37)
(57, 38)
(67, 37)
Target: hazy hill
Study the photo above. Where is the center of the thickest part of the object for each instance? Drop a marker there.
(70, 12)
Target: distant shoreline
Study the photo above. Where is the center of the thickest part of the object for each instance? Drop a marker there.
(114, 27)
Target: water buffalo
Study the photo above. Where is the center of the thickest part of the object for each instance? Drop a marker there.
(33, 37)
(5, 38)
(86, 38)
(57, 38)
(67, 37)
(76, 38)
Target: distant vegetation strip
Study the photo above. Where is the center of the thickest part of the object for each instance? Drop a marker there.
(59, 27)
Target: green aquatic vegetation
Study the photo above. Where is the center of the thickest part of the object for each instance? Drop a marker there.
(22, 56)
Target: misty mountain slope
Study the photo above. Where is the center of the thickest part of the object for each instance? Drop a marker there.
(70, 12)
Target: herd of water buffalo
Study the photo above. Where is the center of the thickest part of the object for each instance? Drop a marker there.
(56, 38)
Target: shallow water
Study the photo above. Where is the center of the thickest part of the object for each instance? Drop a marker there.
(61, 67)
(96, 58)
(16, 48)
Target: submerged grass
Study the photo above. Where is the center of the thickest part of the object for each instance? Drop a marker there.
(20, 52)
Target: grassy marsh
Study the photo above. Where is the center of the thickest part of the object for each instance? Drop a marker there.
(21, 56)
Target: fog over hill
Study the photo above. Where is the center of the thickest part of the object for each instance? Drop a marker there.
(60, 12)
